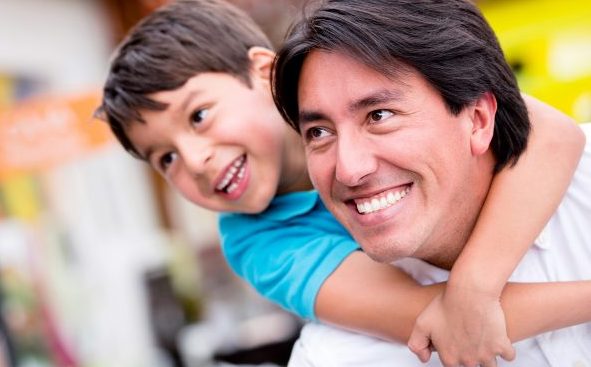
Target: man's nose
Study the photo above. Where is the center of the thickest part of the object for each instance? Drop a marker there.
(196, 153)
(355, 160)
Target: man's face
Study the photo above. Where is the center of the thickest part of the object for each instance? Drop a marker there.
(388, 158)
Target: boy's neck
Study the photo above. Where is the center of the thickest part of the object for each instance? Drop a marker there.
(301, 184)
(295, 172)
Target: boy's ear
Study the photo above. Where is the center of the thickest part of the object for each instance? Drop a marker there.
(261, 62)
(482, 114)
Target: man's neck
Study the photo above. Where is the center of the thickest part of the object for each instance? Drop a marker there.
(458, 230)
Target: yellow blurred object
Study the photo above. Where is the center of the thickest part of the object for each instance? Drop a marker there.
(20, 197)
(548, 44)
(6, 90)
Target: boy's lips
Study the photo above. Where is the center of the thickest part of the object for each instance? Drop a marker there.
(231, 182)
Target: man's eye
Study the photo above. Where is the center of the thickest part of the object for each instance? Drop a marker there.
(166, 160)
(198, 116)
(315, 133)
(379, 115)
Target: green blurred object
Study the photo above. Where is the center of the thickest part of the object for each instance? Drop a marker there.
(548, 44)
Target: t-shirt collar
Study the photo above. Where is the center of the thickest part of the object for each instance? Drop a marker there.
(287, 206)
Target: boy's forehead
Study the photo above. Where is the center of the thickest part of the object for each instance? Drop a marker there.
(203, 86)
(178, 98)
(197, 83)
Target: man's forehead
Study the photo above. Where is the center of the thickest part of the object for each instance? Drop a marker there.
(365, 84)
(394, 71)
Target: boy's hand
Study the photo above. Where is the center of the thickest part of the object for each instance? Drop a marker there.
(465, 328)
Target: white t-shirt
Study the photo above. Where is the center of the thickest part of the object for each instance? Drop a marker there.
(562, 252)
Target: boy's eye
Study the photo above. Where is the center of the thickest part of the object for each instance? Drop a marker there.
(166, 160)
(198, 116)
(379, 115)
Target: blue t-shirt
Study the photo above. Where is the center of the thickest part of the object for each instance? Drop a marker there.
(288, 251)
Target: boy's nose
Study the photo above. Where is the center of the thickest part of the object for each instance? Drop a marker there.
(196, 154)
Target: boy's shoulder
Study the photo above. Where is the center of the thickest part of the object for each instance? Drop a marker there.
(282, 208)
(295, 214)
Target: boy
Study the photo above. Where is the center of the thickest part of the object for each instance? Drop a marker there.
(189, 93)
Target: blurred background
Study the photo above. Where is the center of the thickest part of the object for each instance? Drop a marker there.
(101, 265)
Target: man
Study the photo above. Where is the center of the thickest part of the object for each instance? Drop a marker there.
(415, 99)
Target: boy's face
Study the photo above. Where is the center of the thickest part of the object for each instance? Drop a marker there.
(220, 143)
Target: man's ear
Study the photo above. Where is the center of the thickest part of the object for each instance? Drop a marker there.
(482, 113)
(261, 62)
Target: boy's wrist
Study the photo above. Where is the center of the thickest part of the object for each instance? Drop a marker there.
(474, 281)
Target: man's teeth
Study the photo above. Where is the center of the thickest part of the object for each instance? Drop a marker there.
(380, 202)
(236, 170)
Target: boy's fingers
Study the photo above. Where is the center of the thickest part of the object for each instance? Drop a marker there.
(420, 344)
(508, 353)
(491, 363)
(424, 354)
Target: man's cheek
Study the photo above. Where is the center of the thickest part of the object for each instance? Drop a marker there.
(316, 173)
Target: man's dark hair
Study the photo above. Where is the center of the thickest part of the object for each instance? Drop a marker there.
(449, 42)
(170, 46)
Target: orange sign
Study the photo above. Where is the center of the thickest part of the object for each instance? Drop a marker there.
(40, 133)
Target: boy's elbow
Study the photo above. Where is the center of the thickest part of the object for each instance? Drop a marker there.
(573, 137)
(563, 136)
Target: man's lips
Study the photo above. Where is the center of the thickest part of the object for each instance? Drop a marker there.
(381, 200)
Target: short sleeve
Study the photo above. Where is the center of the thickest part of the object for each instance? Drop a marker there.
(286, 260)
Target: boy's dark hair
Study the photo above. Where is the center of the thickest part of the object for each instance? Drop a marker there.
(448, 42)
(170, 46)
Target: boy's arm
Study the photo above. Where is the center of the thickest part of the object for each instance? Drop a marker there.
(285, 261)
(383, 301)
(520, 202)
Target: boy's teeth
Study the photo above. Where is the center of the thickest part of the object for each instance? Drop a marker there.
(232, 187)
(238, 162)
(236, 170)
(380, 202)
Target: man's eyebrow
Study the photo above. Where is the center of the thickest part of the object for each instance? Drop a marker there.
(375, 98)
(309, 116)
(372, 99)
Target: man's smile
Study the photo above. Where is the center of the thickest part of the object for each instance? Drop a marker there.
(381, 201)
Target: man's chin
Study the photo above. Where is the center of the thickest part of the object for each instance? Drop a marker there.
(385, 252)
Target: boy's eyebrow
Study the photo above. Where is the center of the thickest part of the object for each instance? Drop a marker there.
(188, 98)
(183, 107)
(372, 99)
(145, 156)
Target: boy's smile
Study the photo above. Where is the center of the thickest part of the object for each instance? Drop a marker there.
(221, 144)
(233, 181)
